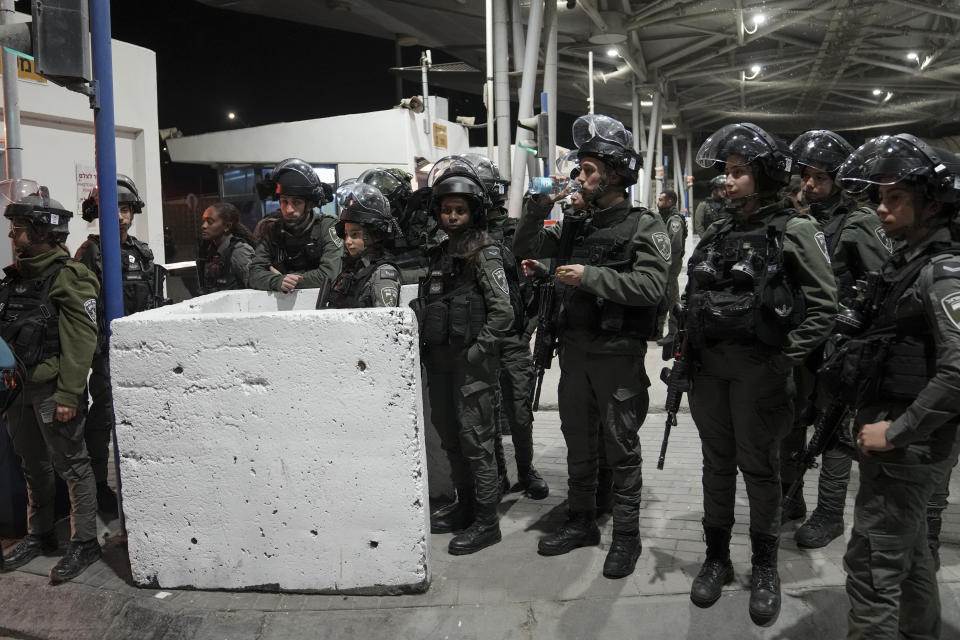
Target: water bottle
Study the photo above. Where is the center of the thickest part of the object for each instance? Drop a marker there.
(552, 186)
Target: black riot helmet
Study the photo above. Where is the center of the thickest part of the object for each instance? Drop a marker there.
(364, 204)
(718, 182)
(497, 187)
(886, 160)
(820, 149)
(126, 194)
(454, 176)
(294, 177)
(27, 199)
(393, 183)
(606, 139)
(755, 145)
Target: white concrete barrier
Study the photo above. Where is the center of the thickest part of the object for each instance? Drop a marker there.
(267, 445)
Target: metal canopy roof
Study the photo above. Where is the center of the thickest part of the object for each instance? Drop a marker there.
(839, 64)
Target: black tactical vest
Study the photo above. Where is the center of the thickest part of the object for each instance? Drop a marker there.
(715, 211)
(296, 254)
(450, 304)
(736, 307)
(215, 269)
(135, 259)
(29, 321)
(351, 289)
(610, 247)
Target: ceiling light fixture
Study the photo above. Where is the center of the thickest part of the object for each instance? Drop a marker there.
(612, 52)
(754, 72)
(668, 126)
(877, 92)
(888, 96)
(758, 19)
(912, 56)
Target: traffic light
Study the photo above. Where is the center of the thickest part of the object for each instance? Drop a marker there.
(58, 38)
(539, 125)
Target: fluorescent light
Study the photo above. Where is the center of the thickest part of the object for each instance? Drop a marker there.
(668, 126)
(612, 52)
(877, 92)
(912, 55)
(755, 69)
(888, 96)
(759, 19)
(646, 103)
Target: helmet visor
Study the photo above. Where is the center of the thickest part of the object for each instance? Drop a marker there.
(452, 165)
(820, 149)
(884, 160)
(588, 127)
(12, 191)
(733, 139)
(363, 197)
(388, 183)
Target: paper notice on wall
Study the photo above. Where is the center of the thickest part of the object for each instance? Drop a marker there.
(86, 182)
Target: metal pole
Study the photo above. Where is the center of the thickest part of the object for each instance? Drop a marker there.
(489, 83)
(398, 62)
(635, 127)
(689, 166)
(590, 77)
(516, 25)
(660, 173)
(677, 175)
(501, 66)
(11, 101)
(550, 82)
(103, 117)
(424, 62)
(650, 169)
(527, 86)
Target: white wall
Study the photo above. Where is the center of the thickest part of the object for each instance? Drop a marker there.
(58, 134)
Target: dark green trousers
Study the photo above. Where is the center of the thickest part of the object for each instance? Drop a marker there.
(98, 430)
(603, 399)
(742, 408)
(516, 386)
(45, 447)
(672, 296)
(462, 398)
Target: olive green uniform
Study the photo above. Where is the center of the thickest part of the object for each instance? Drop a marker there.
(677, 231)
(313, 254)
(857, 245)
(706, 213)
(891, 578)
(225, 266)
(603, 385)
(465, 313)
(44, 444)
(742, 394)
(368, 280)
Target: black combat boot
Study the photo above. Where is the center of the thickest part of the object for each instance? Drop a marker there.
(765, 581)
(484, 531)
(106, 499)
(717, 570)
(819, 530)
(532, 484)
(29, 548)
(454, 518)
(622, 557)
(795, 508)
(604, 491)
(934, 523)
(580, 530)
(79, 556)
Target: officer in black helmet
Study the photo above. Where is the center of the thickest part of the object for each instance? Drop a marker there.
(300, 248)
(136, 264)
(760, 297)
(905, 385)
(516, 363)
(48, 315)
(369, 278)
(857, 245)
(713, 208)
(611, 293)
(465, 313)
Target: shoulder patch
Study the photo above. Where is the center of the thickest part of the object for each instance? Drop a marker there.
(90, 306)
(500, 278)
(951, 306)
(388, 272)
(662, 242)
(388, 295)
(492, 252)
(674, 225)
(946, 269)
(333, 236)
(884, 240)
(822, 244)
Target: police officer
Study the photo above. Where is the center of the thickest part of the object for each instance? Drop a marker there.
(711, 209)
(300, 247)
(465, 312)
(904, 384)
(368, 278)
(856, 244)
(408, 246)
(48, 314)
(516, 363)
(611, 290)
(136, 263)
(226, 249)
(676, 226)
(760, 297)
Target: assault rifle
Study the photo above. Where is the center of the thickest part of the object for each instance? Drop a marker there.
(159, 279)
(677, 379)
(826, 432)
(550, 305)
(324, 296)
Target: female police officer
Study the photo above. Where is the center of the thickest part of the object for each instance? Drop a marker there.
(905, 383)
(465, 311)
(760, 297)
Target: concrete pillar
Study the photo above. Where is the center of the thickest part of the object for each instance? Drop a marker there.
(527, 89)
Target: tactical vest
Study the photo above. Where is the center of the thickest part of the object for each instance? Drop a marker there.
(715, 211)
(137, 279)
(29, 320)
(609, 247)
(450, 304)
(351, 289)
(736, 307)
(896, 357)
(215, 269)
(296, 254)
